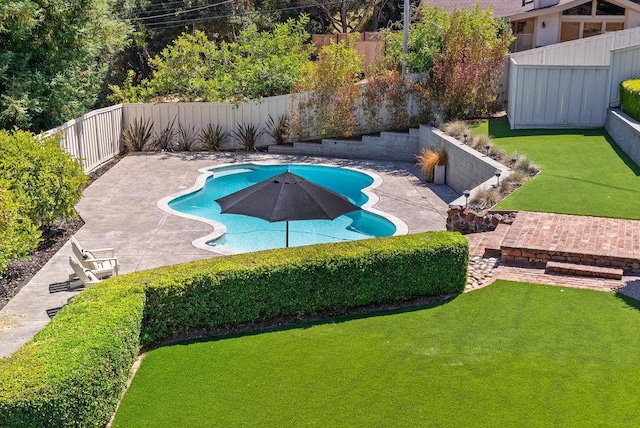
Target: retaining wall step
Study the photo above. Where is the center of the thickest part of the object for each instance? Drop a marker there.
(584, 270)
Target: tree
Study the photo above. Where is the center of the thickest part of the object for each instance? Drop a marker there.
(195, 68)
(461, 54)
(53, 57)
(465, 71)
(331, 104)
(348, 16)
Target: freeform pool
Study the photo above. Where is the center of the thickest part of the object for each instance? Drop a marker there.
(237, 233)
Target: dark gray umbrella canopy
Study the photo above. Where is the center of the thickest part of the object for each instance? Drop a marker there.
(286, 197)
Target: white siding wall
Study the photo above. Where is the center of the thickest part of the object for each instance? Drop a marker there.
(550, 33)
(94, 137)
(589, 51)
(555, 96)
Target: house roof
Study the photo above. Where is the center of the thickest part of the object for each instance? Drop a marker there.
(512, 8)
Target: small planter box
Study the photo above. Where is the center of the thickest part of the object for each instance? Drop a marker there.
(439, 174)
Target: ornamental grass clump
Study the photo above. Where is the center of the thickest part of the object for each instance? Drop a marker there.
(427, 160)
(486, 198)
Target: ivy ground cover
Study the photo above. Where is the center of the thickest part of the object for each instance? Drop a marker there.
(509, 355)
(583, 172)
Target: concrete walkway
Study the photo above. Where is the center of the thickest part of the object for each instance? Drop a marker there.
(119, 210)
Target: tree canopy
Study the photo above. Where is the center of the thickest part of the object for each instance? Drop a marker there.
(461, 54)
(54, 55)
(195, 68)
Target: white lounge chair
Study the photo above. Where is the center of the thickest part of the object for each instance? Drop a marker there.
(102, 262)
(84, 276)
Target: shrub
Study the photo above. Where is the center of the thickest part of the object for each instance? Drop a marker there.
(457, 129)
(164, 139)
(137, 135)
(186, 137)
(630, 97)
(47, 181)
(18, 235)
(486, 198)
(524, 165)
(278, 128)
(73, 371)
(212, 138)
(248, 136)
(329, 109)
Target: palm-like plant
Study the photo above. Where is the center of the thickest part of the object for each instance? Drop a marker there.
(136, 136)
(186, 138)
(248, 136)
(164, 139)
(278, 128)
(212, 138)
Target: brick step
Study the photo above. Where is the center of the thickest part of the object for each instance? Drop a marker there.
(494, 244)
(583, 270)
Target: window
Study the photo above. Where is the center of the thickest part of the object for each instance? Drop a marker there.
(569, 31)
(583, 9)
(614, 26)
(605, 8)
(592, 29)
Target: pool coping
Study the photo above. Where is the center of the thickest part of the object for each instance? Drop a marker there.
(219, 229)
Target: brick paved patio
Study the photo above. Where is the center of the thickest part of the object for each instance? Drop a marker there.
(536, 238)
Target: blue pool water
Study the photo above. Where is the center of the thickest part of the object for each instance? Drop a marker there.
(246, 233)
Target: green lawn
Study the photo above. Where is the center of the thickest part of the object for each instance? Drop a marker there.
(509, 355)
(583, 172)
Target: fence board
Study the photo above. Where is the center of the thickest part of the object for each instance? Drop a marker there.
(554, 96)
(625, 64)
(94, 137)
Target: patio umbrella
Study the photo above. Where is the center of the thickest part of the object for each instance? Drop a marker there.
(286, 197)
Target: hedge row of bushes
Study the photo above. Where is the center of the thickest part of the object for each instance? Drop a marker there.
(73, 371)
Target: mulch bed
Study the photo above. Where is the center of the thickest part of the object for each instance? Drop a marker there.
(54, 236)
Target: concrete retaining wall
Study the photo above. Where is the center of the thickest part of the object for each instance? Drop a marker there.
(467, 168)
(625, 131)
(388, 146)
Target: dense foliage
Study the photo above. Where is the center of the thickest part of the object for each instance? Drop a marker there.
(461, 53)
(195, 68)
(329, 107)
(18, 235)
(73, 371)
(54, 55)
(40, 183)
(630, 97)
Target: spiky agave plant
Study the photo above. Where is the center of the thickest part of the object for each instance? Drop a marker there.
(186, 137)
(248, 136)
(137, 135)
(212, 138)
(278, 128)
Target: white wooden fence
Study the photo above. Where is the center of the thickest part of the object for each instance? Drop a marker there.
(94, 137)
(199, 115)
(571, 84)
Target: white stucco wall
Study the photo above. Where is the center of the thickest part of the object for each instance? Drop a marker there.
(551, 33)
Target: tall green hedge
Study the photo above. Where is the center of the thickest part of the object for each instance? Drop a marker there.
(73, 372)
(630, 97)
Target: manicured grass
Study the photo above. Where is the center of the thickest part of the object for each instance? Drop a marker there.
(584, 172)
(509, 355)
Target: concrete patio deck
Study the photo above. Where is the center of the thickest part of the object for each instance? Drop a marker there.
(119, 210)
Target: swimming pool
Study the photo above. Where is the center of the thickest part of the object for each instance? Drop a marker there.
(236, 233)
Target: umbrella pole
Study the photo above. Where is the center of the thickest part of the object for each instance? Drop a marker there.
(287, 234)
